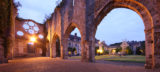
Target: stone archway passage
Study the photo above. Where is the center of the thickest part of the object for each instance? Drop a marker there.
(145, 15)
(55, 50)
(68, 31)
(87, 14)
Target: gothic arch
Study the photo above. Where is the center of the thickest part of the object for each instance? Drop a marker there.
(70, 28)
(53, 50)
(143, 12)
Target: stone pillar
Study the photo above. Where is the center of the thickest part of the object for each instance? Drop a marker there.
(53, 49)
(50, 47)
(50, 50)
(157, 47)
(92, 50)
(10, 32)
(149, 45)
(13, 17)
(88, 50)
(64, 48)
(1, 51)
(5, 28)
(84, 49)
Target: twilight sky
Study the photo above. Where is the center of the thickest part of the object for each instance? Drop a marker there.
(120, 24)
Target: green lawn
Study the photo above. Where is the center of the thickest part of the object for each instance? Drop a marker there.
(128, 58)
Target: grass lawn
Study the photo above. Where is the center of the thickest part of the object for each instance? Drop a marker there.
(128, 58)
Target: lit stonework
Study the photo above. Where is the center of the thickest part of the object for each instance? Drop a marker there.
(85, 15)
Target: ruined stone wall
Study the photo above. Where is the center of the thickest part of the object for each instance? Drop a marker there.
(4, 13)
(149, 12)
(86, 15)
(22, 41)
(7, 15)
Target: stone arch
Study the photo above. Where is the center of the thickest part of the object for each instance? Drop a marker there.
(69, 29)
(53, 50)
(145, 15)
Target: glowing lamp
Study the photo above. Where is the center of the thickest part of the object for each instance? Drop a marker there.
(32, 39)
(100, 51)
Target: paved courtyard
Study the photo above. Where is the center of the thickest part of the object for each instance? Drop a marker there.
(45, 64)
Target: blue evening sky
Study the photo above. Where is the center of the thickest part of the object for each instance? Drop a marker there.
(120, 24)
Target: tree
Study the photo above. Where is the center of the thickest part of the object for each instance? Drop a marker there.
(138, 52)
(129, 51)
(118, 50)
(143, 47)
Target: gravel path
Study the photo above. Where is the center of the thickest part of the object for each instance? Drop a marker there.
(45, 64)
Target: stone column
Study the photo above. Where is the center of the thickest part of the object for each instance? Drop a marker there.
(10, 32)
(88, 50)
(50, 50)
(64, 48)
(53, 49)
(157, 47)
(149, 47)
(92, 50)
(1, 51)
(84, 49)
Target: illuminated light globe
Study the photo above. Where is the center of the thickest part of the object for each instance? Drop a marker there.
(32, 39)
(20, 33)
(30, 27)
(41, 36)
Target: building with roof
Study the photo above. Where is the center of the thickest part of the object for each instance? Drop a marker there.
(74, 43)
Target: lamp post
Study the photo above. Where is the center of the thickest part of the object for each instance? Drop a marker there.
(100, 50)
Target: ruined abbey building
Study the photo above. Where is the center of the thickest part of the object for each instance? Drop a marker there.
(85, 15)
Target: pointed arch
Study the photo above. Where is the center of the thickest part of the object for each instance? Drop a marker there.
(70, 28)
(55, 50)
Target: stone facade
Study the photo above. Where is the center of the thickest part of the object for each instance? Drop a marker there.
(21, 48)
(86, 15)
(75, 42)
(134, 45)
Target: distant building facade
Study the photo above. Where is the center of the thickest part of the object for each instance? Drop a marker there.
(74, 42)
(133, 45)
